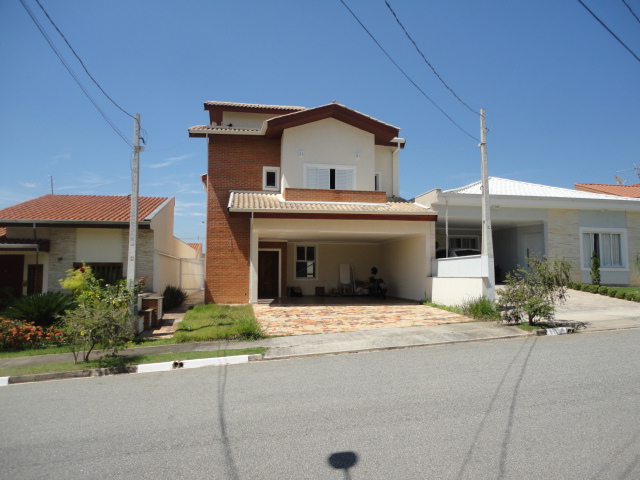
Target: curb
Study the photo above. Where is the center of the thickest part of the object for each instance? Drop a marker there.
(144, 368)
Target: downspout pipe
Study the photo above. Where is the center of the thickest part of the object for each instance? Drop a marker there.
(395, 155)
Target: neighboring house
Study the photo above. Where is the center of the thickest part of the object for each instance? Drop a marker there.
(306, 200)
(632, 191)
(41, 239)
(528, 218)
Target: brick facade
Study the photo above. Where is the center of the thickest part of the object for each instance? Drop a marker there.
(62, 255)
(346, 196)
(235, 163)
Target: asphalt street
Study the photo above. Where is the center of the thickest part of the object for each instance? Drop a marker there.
(523, 408)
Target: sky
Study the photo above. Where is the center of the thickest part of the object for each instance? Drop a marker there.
(561, 94)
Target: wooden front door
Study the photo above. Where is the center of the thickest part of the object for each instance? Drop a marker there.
(268, 277)
(34, 278)
(11, 270)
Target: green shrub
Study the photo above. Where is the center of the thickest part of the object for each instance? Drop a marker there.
(612, 292)
(481, 309)
(593, 288)
(575, 286)
(620, 294)
(603, 290)
(173, 297)
(41, 308)
(595, 269)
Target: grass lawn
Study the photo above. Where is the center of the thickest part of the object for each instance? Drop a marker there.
(218, 322)
(202, 323)
(126, 360)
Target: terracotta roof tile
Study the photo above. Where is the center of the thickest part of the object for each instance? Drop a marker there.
(3, 232)
(253, 105)
(197, 247)
(261, 201)
(632, 191)
(81, 208)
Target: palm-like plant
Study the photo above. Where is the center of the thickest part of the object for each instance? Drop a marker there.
(41, 308)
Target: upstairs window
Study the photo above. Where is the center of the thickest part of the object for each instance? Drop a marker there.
(271, 178)
(329, 177)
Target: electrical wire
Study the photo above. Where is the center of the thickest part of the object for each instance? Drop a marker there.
(55, 50)
(406, 75)
(427, 61)
(609, 30)
(80, 60)
(632, 12)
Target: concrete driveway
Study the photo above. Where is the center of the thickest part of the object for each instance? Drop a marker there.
(598, 312)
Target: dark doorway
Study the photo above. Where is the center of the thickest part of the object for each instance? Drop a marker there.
(11, 270)
(268, 278)
(34, 278)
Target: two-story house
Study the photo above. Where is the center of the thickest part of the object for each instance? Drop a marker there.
(298, 197)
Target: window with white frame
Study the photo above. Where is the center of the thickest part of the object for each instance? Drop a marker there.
(463, 242)
(330, 177)
(607, 247)
(271, 178)
(306, 263)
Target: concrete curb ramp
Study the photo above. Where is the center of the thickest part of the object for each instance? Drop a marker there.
(144, 368)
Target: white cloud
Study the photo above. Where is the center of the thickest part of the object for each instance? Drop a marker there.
(29, 185)
(169, 161)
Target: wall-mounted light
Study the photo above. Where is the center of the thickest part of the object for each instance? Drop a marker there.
(357, 155)
(301, 153)
(60, 259)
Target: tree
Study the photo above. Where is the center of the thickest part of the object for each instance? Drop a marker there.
(595, 269)
(532, 293)
(102, 318)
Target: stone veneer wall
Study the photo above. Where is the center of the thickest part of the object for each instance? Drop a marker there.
(63, 245)
(564, 238)
(145, 258)
(633, 240)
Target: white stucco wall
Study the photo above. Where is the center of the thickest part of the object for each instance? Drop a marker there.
(329, 257)
(98, 245)
(328, 142)
(454, 291)
(384, 166)
(405, 266)
(245, 120)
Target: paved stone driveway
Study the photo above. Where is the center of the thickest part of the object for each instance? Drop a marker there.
(304, 320)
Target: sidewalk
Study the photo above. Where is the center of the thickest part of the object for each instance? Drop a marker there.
(587, 312)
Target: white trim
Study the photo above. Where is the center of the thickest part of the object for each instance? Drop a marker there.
(328, 166)
(279, 267)
(266, 170)
(624, 249)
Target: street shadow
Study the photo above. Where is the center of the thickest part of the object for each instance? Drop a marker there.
(343, 461)
(489, 410)
(227, 452)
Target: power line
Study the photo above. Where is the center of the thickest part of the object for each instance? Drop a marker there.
(55, 50)
(405, 74)
(427, 61)
(632, 12)
(609, 30)
(80, 60)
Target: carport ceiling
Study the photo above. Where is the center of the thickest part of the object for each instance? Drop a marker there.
(331, 236)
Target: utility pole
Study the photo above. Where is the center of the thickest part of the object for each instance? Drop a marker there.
(486, 254)
(133, 216)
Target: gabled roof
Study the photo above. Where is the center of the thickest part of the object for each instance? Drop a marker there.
(501, 186)
(383, 132)
(618, 190)
(80, 208)
(288, 117)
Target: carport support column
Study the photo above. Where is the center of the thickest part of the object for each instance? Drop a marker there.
(487, 262)
(253, 263)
